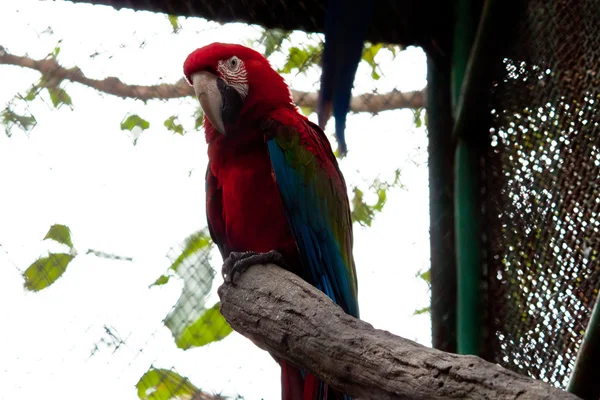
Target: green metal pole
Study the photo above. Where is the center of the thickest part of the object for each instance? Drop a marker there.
(466, 200)
(472, 120)
(466, 209)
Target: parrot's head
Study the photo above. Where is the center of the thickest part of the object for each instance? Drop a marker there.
(234, 85)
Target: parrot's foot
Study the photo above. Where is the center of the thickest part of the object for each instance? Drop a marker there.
(237, 263)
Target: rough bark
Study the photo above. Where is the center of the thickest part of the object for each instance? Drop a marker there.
(50, 68)
(291, 319)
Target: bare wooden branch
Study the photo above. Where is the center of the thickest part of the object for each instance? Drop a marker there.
(291, 319)
(49, 67)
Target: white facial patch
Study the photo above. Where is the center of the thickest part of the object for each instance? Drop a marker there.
(233, 71)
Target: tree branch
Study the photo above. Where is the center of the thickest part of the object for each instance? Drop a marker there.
(50, 68)
(291, 319)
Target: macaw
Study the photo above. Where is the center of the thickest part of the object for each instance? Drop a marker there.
(274, 190)
(346, 24)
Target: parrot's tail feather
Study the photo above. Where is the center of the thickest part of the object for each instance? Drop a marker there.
(292, 382)
(299, 385)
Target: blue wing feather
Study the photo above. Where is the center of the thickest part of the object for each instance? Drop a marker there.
(314, 231)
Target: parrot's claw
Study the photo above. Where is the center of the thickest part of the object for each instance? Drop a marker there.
(238, 262)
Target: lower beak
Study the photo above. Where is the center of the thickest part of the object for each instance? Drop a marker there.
(211, 101)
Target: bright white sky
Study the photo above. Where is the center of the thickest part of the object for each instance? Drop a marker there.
(78, 168)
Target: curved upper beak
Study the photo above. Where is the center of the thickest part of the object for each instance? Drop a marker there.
(209, 95)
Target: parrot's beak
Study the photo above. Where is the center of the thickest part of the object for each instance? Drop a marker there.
(210, 97)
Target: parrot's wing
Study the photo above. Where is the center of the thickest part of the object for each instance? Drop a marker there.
(214, 213)
(316, 204)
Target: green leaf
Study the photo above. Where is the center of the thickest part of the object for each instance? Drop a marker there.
(198, 118)
(56, 50)
(273, 39)
(381, 199)
(193, 265)
(11, 118)
(426, 276)
(369, 53)
(58, 96)
(422, 310)
(364, 213)
(302, 58)
(172, 126)
(417, 114)
(45, 271)
(163, 279)
(361, 212)
(134, 120)
(174, 23)
(164, 384)
(196, 241)
(397, 174)
(32, 93)
(60, 233)
(307, 110)
(54, 53)
(210, 327)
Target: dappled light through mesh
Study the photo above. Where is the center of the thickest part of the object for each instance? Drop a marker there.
(541, 191)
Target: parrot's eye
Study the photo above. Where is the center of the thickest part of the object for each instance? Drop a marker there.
(233, 63)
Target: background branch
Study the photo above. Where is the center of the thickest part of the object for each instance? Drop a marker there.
(50, 68)
(291, 319)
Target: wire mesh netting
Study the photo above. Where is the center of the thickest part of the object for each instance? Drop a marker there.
(542, 195)
(112, 278)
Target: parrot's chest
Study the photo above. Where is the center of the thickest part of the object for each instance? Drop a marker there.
(252, 207)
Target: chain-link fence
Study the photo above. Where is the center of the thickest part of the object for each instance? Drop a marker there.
(119, 182)
(542, 196)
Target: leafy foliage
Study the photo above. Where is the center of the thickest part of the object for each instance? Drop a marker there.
(307, 110)
(59, 97)
(11, 118)
(164, 384)
(133, 121)
(423, 310)
(173, 126)
(60, 233)
(362, 212)
(369, 53)
(210, 327)
(190, 322)
(56, 51)
(272, 39)
(161, 280)
(135, 125)
(31, 94)
(45, 271)
(302, 58)
(426, 276)
(420, 117)
(195, 242)
(174, 23)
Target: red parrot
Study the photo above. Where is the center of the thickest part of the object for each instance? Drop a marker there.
(274, 190)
